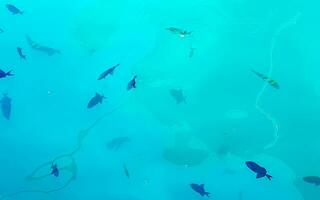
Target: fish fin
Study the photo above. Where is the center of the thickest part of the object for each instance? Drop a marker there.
(269, 176)
(9, 73)
(207, 194)
(260, 175)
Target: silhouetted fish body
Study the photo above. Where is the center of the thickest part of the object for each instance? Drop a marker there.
(272, 82)
(55, 170)
(13, 9)
(312, 180)
(4, 74)
(260, 171)
(199, 189)
(44, 49)
(132, 83)
(6, 106)
(95, 100)
(179, 31)
(108, 72)
(126, 171)
(116, 143)
(21, 53)
(178, 96)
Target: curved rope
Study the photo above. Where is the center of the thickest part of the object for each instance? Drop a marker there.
(274, 122)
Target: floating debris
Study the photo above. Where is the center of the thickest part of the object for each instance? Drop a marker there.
(44, 49)
(199, 189)
(95, 100)
(13, 9)
(312, 180)
(261, 172)
(6, 106)
(178, 96)
(19, 49)
(118, 142)
(272, 82)
(108, 72)
(180, 32)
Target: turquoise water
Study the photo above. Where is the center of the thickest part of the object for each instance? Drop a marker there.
(206, 99)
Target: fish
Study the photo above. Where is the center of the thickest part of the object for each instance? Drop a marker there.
(179, 31)
(44, 49)
(132, 83)
(108, 72)
(199, 189)
(54, 170)
(126, 171)
(191, 53)
(13, 9)
(178, 96)
(6, 106)
(1, 30)
(4, 74)
(272, 82)
(260, 171)
(312, 180)
(95, 100)
(21, 53)
(117, 142)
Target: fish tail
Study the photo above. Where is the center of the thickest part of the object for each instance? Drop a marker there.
(9, 73)
(207, 194)
(269, 176)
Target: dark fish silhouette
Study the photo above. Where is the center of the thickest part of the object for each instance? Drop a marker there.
(44, 49)
(6, 106)
(132, 83)
(5, 74)
(126, 171)
(200, 189)
(108, 72)
(272, 82)
(21, 53)
(95, 100)
(178, 96)
(13, 9)
(54, 170)
(312, 180)
(191, 53)
(260, 171)
(116, 143)
(179, 31)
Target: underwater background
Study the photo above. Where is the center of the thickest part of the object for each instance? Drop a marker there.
(199, 88)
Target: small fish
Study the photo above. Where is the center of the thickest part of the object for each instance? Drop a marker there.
(108, 72)
(260, 171)
(54, 170)
(200, 189)
(191, 53)
(126, 171)
(6, 106)
(95, 100)
(116, 143)
(13, 9)
(272, 82)
(178, 96)
(132, 83)
(5, 74)
(1, 30)
(312, 180)
(44, 49)
(179, 31)
(19, 49)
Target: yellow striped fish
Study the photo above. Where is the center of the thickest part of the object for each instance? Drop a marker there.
(272, 82)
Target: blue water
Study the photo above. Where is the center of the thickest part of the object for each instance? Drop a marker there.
(144, 143)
